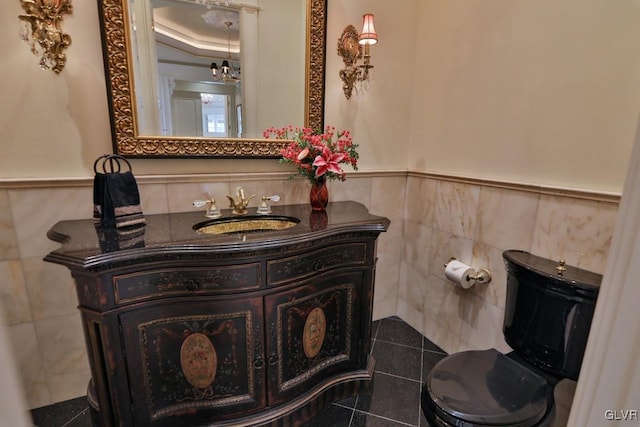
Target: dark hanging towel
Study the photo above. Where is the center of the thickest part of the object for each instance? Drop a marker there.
(113, 239)
(116, 200)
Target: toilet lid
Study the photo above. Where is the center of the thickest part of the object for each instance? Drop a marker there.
(487, 388)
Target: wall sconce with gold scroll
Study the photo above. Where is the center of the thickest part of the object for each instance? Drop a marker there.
(42, 30)
(350, 49)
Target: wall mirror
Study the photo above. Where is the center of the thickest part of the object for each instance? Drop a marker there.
(164, 64)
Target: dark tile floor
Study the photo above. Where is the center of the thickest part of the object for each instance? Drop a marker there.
(403, 359)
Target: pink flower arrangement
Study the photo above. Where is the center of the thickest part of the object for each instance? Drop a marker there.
(317, 156)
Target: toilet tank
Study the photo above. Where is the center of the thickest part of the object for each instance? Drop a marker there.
(548, 313)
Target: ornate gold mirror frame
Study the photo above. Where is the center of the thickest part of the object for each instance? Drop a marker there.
(120, 90)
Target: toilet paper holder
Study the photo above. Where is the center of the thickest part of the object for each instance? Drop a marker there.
(480, 276)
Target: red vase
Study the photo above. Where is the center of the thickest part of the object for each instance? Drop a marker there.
(319, 195)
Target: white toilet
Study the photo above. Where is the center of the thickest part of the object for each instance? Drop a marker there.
(548, 312)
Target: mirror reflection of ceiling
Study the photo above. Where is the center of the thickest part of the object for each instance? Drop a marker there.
(193, 34)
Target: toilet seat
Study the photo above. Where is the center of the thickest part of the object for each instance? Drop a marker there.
(485, 388)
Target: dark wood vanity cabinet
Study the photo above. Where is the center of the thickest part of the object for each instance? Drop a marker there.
(314, 332)
(226, 330)
(189, 356)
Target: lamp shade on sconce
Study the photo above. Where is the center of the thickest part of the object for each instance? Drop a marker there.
(368, 35)
(350, 48)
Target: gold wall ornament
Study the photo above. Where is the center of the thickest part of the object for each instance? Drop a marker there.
(42, 30)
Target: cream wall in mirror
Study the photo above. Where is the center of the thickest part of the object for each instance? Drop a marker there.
(156, 67)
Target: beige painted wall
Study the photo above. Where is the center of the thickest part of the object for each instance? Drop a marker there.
(56, 125)
(539, 91)
(379, 117)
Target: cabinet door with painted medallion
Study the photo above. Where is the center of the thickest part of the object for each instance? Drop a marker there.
(196, 362)
(313, 332)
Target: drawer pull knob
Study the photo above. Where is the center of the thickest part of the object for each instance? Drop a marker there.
(273, 359)
(259, 363)
(319, 265)
(191, 285)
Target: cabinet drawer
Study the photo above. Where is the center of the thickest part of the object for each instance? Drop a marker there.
(304, 265)
(185, 281)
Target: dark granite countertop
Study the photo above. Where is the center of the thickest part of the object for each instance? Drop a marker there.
(84, 246)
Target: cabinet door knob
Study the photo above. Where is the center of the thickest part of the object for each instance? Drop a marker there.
(273, 359)
(191, 285)
(259, 363)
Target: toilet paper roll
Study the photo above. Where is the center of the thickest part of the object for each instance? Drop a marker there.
(459, 273)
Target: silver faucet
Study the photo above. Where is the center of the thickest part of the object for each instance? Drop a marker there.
(240, 203)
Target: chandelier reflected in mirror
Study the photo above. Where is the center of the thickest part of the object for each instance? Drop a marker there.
(225, 73)
(210, 3)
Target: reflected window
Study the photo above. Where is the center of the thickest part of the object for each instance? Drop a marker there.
(215, 115)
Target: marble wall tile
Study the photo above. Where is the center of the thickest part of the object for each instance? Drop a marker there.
(442, 321)
(68, 386)
(354, 188)
(445, 245)
(501, 345)
(465, 346)
(444, 303)
(420, 200)
(481, 322)
(296, 191)
(388, 265)
(412, 286)
(579, 231)
(416, 249)
(506, 218)
(35, 211)
(456, 209)
(182, 195)
(154, 198)
(413, 317)
(476, 224)
(61, 340)
(439, 334)
(386, 285)
(384, 308)
(28, 357)
(13, 293)
(8, 240)
(390, 242)
(494, 292)
(387, 198)
(51, 289)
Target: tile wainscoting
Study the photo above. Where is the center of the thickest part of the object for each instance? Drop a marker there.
(432, 218)
(475, 221)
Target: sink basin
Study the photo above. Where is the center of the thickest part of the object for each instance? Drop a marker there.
(246, 224)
